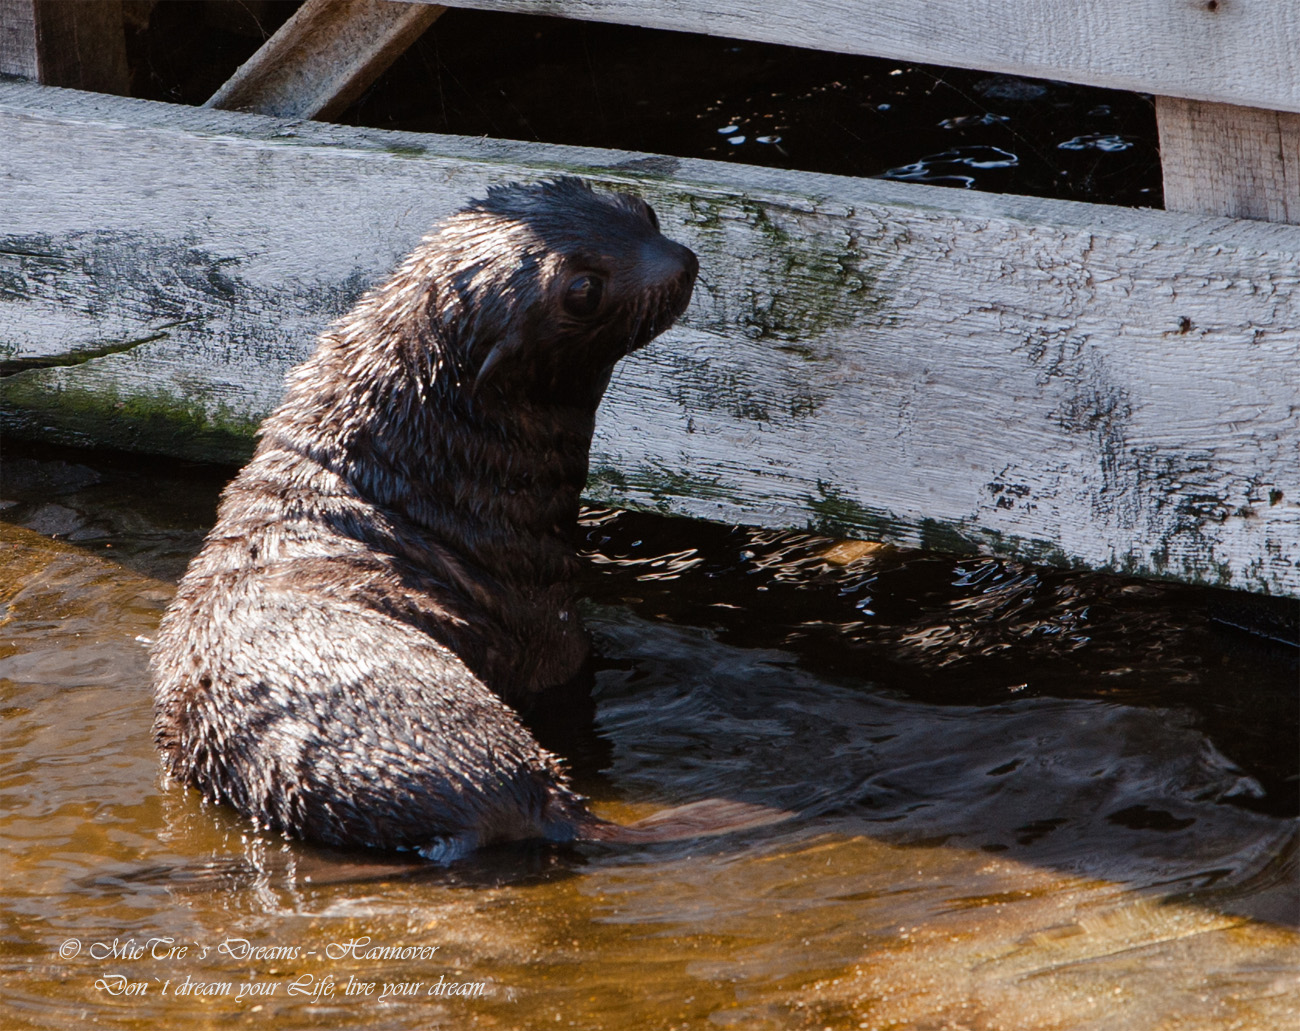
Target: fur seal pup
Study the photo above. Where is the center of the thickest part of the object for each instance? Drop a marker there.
(392, 571)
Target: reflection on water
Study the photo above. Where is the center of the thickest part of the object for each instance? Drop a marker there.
(1026, 799)
(1107, 142)
(953, 167)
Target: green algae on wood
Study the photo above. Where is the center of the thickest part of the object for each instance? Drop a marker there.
(153, 422)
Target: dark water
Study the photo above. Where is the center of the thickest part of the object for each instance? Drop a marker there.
(1025, 798)
(559, 81)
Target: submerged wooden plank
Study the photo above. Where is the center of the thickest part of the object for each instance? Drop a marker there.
(324, 57)
(1227, 51)
(1056, 381)
(1219, 159)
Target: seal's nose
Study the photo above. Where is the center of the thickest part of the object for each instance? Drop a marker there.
(690, 268)
(669, 268)
(690, 261)
(664, 260)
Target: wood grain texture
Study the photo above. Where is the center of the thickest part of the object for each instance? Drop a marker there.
(18, 39)
(1220, 159)
(75, 43)
(324, 57)
(1229, 51)
(1049, 380)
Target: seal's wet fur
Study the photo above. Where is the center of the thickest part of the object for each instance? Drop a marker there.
(392, 571)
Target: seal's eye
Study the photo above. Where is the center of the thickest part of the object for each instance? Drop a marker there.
(582, 298)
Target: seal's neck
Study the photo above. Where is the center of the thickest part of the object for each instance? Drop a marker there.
(491, 476)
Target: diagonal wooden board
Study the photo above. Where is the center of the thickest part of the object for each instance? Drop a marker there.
(324, 57)
(1055, 381)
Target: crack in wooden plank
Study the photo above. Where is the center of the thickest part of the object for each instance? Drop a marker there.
(79, 355)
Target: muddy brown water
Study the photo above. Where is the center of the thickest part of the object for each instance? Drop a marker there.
(1025, 799)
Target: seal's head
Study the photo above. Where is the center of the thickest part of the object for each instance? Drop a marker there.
(553, 283)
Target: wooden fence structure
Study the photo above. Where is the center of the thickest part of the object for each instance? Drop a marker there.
(1079, 384)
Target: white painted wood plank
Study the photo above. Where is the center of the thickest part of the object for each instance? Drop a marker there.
(1050, 380)
(324, 57)
(1229, 51)
(1220, 159)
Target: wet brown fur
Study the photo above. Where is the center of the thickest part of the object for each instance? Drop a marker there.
(390, 576)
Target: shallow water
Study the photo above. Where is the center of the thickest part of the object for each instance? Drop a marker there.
(1025, 799)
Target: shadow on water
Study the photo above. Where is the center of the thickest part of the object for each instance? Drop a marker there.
(946, 631)
(1098, 726)
(1088, 787)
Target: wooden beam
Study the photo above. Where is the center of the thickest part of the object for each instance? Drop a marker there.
(1219, 159)
(324, 57)
(1054, 381)
(18, 39)
(75, 43)
(1227, 51)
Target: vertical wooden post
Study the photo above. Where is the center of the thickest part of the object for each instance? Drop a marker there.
(1220, 159)
(18, 38)
(74, 43)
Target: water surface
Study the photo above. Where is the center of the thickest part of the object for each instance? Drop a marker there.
(1025, 799)
(559, 80)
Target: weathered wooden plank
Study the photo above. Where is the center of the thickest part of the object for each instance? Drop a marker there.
(1057, 381)
(324, 57)
(1228, 51)
(18, 38)
(76, 43)
(1219, 159)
